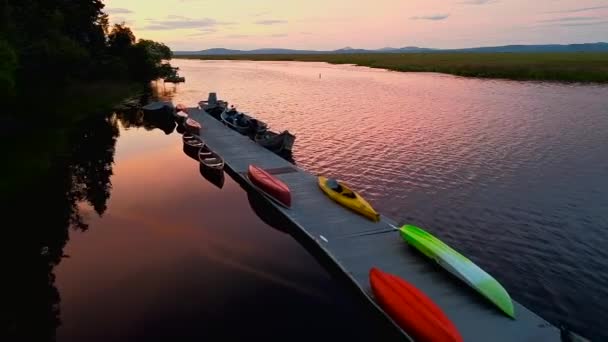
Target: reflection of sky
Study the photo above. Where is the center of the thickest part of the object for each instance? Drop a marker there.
(170, 240)
(333, 24)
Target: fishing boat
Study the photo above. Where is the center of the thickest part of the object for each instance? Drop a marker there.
(213, 106)
(340, 193)
(411, 309)
(210, 159)
(276, 142)
(242, 122)
(192, 126)
(269, 185)
(214, 176)
(459, 266)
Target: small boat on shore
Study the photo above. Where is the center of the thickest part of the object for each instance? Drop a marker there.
(269, 185)
(213, 106)
(192, 126)
(340, 193)
(411, 309)
(276, 142)
(210, 159)
(459, 266)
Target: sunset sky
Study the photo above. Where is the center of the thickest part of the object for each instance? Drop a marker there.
(333, 24)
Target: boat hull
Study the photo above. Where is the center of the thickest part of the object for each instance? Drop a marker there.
(411, 309)
(357, 204)
(210, 159)
(459, 266)
(278, 143)
(270, 185)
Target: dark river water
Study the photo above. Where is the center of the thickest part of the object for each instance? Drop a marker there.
(514, 175)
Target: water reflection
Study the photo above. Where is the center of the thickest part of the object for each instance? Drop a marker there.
(267, 212)
(79, 176)
(215, 177)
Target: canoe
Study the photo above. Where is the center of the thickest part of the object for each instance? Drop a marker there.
(276, 142)
(411, 309)
(460, 266)
(193, 141)
(192, 126)
(269, 185)
(210, 159)
(340, 193)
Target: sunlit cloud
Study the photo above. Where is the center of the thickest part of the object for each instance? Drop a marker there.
(117, 11)
(175, 22)
(477, 2)
(589, 23)
(431, 17)
(568, 19)
(577, 10)
(237, 36)
(270, 22)
(575, 21)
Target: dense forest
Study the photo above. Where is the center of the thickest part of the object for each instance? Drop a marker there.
(66, 42)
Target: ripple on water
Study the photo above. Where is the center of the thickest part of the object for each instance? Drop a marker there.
(513, 174)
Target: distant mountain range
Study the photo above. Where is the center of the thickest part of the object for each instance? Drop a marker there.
(587, 47)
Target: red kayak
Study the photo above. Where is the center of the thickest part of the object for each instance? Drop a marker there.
(411, 309)
(270, 185)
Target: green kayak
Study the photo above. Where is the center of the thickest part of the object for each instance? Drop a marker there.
(459, 266)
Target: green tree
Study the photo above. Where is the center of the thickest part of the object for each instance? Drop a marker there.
(120, 40)
(8, 66)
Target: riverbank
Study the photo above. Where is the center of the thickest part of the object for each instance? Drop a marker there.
(566, 67)
(52, 125)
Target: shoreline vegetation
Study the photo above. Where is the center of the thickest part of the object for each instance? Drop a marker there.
(584, 67)
(61, 64)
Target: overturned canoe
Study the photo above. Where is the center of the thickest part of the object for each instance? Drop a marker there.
(460, 266)
(192, 126)
(411, 309)
(269, 185)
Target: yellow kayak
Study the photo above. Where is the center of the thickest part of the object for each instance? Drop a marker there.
(342, 194)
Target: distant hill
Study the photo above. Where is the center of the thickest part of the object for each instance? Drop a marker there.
(587, 47)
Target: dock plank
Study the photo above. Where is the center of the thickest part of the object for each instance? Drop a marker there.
(355, 244)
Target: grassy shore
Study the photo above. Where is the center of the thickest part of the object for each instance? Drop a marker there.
(568, 67)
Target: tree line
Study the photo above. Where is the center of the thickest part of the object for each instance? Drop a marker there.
(63, 41)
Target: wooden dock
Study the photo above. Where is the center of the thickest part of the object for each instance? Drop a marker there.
(356, 244)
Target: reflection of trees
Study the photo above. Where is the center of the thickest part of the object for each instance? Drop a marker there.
(135, 117)
(42, 214)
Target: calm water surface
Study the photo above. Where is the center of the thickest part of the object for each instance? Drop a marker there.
(514, 175)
